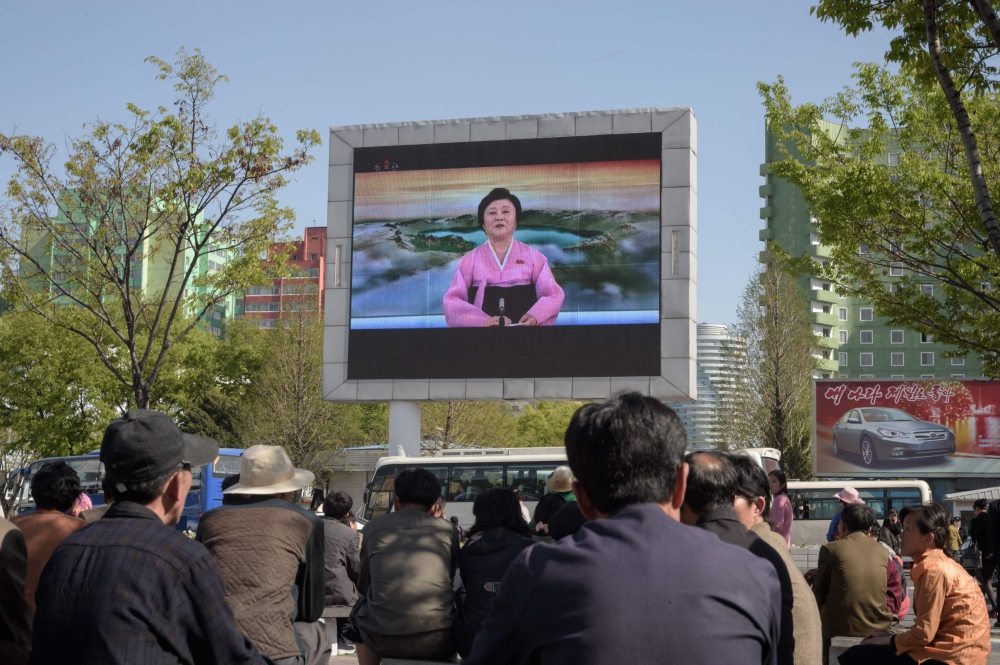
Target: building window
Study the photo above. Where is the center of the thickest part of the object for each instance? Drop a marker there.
(926, 358)
(896, 359)
(295, 257)
(867, 359)
(864, 249)
(958, 361)
(842, 335)
(826, 354)
(867, 337)
(842, 314)
(925, 338)
(895, 270)
(315, 257)
(896, 337)
(893, 159)
(896, 376)
(826, 333)
(926, 376)
(958, 376)
(842, 358)
(273, 290)
(866, 314)
(987, 287)
(267, 324)
(263, 307)
(866, 376)
(826, 285)
(926, 289)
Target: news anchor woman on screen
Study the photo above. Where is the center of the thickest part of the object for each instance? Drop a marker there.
(503, 281)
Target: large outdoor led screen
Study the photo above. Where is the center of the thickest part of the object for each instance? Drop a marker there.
(515, 258)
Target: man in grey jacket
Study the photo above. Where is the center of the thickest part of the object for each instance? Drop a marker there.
(343, 560)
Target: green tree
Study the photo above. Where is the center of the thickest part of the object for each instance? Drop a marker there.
(484, 424)
(909, 238)
(545, 423)
(153, 195)
(773, 360)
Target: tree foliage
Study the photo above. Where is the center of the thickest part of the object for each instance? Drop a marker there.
(545, 423)
(152, 196)
(919, 219)
(773, 358)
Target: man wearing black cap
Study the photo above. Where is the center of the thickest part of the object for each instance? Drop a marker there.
(129, 588)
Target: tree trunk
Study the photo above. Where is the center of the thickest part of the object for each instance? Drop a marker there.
(983, 200)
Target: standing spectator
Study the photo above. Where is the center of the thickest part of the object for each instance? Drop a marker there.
(343, 560)
(752, 507)
(708, 505)
(951, 624)
(781, 505)
(408, 562)
(317, 496)
(130, 588)
(634, 585)
(458, 527)
(498, 536)
(888, 535)
(80, 504)
(847, 496)
(980, 534)
(271, 553)
(54, 488)
(546, 507)
(568, 519)
(851, 580)
(561, 483)
(892, 523)
(524, 509)
(954, 540)
(15, 613)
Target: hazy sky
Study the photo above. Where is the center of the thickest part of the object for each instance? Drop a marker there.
(319, 64)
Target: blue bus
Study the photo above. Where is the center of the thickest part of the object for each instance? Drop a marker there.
(212, 475)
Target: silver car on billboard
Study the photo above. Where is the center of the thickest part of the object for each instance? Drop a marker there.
(882, 434)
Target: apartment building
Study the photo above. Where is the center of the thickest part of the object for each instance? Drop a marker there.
(300, 291)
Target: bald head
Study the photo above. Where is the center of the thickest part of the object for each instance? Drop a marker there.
(712, 481)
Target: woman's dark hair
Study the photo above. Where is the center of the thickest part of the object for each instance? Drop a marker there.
(547, 507)
(782, 478)
(337, 505)
(230, 480)
(498, 507)
(980, 503)
(55, 486)
(929, 518)
(418, 486)
(499, 194)
(858, 517)
(751, 483)
(625, 450)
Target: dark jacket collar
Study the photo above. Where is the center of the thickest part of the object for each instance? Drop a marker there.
(130, 510)
(725, 514)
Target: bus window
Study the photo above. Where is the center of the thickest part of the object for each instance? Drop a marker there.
(380, 497)
(899, 498)
(530, 478)
(226, 465)
(469, 481)
(770, 464)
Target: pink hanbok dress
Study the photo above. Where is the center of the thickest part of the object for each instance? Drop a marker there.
(483, 278)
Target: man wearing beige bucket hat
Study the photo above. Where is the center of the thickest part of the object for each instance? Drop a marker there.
(568, 519)
(271, 553)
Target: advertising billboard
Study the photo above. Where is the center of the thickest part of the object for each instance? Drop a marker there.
(531, 257)
(906, 428)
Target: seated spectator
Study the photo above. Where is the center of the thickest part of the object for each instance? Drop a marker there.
(524, 509)
(898, 601)
(851, 580)
(708, 504)
(561, 482)
(408, 562)
(498, 536)
(634, 585)
(439, 507)
(81, 503)
(95, 514)
(343, 560)
(951, 623)
(54, 488)
(15, 613)
(753, 495)
(271, 553)
(130, 588)
(546, 507)
(458, 527)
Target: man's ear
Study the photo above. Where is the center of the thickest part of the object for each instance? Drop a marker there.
(396, 505)
(761, 505)
(680, 487)
(583, 502)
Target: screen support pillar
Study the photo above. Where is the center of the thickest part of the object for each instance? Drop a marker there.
(404, 429)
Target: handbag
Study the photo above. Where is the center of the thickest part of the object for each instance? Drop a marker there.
(972, 557)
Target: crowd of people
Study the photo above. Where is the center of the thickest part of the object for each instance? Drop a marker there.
(638, 552)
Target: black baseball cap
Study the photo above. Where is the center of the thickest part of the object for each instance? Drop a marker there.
(144, 444)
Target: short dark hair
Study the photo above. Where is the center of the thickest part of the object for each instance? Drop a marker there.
(858, 517)
(893, 512)
(547, 507)
(230, 480)
(625, 450)
(711, 482)
(782, 478)
(979, 503)
(143, 492)
(498, 507)
(338, 504)
(55, 486)
(454, 519)
(930, 518)
(499, 194)
(417, 486)
(751, 483)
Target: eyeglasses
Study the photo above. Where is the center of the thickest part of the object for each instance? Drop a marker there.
(185, 466)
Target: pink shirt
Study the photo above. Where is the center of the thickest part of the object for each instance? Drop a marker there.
(781, 515)
(479, 268)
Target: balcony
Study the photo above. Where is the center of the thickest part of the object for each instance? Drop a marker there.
(822, 295)
(827, 342)
(822, 251)
(828, 365)
(766, 234)
(765, 190)
(766, 212)
(822, 319)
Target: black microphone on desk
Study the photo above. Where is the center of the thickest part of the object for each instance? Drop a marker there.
(501, 312)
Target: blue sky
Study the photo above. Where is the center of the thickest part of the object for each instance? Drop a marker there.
(318, 64)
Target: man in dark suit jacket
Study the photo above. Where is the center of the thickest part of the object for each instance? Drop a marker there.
(15, 614)
(634, 585)
(708, 504)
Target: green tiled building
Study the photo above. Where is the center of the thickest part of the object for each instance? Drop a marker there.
(855, 342)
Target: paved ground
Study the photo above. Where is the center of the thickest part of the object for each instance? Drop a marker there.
(344, 660)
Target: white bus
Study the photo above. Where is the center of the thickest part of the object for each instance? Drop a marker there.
(465, 473)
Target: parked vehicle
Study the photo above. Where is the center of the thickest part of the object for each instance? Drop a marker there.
(881, 434)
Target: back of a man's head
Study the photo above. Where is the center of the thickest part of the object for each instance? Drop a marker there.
(338, 504)
(711, 483)
(858, 517)
(417, 488)
(55, 486)
(625, 450)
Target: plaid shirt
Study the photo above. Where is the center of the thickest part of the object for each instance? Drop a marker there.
(127, 589)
